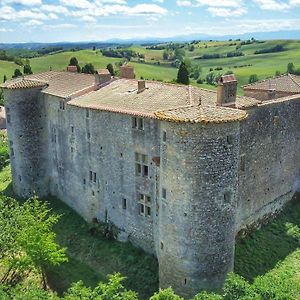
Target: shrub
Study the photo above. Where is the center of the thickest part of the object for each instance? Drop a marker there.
(166, 294)
(207, 296)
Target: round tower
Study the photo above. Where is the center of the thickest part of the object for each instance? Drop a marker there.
(27, 135)
(199, 177)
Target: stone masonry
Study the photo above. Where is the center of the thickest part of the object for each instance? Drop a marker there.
(179, 170)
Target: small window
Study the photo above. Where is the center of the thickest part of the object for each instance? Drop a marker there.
(227, 198)
(72, 149)
(91, 175)
(20, 178)
(138, 123)
(72, 129)
(141, 165)
(84, 181)
(161, 245)
(12, 151)
(124, 203)
(229, 139)
(243, 162)
(88, 135)
(144, 205)
(94, 177)
(62, 105)
(87, 113)
(164, 193)
(164, 136)
(8, 118)
(93, 193)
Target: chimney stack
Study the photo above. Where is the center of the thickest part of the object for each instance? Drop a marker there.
(271, 94)
(141, 86)
(127, 72)
(227, 90)
(102, 76)
(72, 69)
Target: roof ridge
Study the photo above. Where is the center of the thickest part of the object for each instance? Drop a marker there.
(266, 79)
(291, 76)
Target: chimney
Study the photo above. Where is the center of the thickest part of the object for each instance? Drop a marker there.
(227, 89)
(127, 72)
(72, 69)
(141, 86)
(271, 94)
(102, 76)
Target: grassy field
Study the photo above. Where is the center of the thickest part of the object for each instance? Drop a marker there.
(264, 65)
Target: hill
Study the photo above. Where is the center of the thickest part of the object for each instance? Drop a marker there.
(218, 57)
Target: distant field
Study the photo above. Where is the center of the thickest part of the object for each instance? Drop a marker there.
(264, 65)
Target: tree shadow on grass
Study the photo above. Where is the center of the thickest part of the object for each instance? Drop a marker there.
(262, 250)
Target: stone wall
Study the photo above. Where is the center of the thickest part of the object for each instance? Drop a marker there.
(103, 143)
(270, 139)
(199, 170)
(27, 136)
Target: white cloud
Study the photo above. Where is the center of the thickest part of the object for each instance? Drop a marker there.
(221, 3)
(272, 5)
(89, 19)
(184, 3)
(295, 2)
(34, 23)
(147, 9)
(77, 3)
(227, 12)
(58, 9)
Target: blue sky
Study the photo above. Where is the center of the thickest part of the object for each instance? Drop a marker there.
(85, 20)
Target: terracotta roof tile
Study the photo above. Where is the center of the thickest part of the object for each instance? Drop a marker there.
(284, 83)
(22, 83)
(202, 114)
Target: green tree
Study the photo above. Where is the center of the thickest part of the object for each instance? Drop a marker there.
(253, 78)
(207, 296)
(166, 294)
(113, 290)
(110, 68)
(17, 73)
(183, 74)
(291, 68)
(165, 55)
(73, 61)
(88, 69)
(211, 78)
(277, 73)
(4, 78)
(27, 69)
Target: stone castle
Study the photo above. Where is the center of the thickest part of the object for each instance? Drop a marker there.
(178, 169)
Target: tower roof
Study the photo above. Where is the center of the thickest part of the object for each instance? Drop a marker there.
(22, 83)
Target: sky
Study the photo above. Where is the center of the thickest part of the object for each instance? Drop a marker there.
(100, 20)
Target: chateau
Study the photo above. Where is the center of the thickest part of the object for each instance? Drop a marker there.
(178, 169)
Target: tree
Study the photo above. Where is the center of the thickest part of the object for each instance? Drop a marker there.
(27, 69)
(88, 69)
(165, 55)
(110, 68)
(277, 73)
(183, 74)
(211, 78)
(253, 78)
(73, 61)
(4, 78)
(291, 68)
(17, 73)
(166, 294)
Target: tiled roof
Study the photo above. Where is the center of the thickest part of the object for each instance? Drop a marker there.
(202, 114)
(163, 101)
(64, 84)
(285, 83)
(22, 83)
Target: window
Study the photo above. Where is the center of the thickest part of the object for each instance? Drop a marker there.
(229, 139)
(161, 245)
(164, 193)
(94, 177)
(72, 129)
(91, 175)
(144, 205)
(12, 151)
(62, 105)
(72, 149)
(87, 113)
(138, 123)
(88, 135)
(243, 162)
(141, 165)
(7, 118)
(227, 197)
(164, 136)
(124, 203)
(84, 181)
